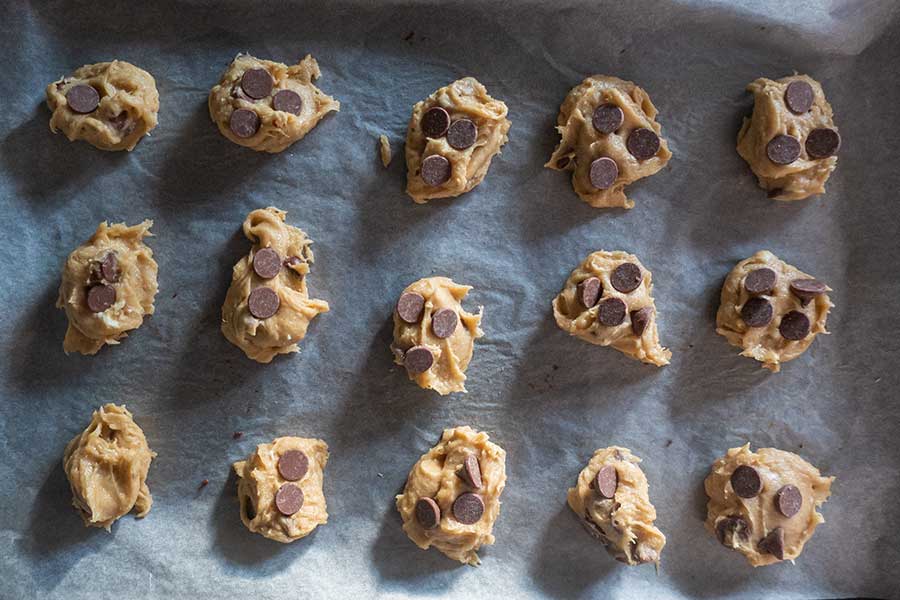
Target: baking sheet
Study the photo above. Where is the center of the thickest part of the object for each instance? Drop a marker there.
(548, 399)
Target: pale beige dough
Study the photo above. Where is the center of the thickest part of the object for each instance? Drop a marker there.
(465, 98)
(277, 129)
(264, 339)
(766, 344)
(259, 481)
(581, 143)
(135, 288)
(107, 465)
(384, 150)
(435, 476)
(129, 103)
(623, 523)
(804, 177)
(572, 316)
(758, 516)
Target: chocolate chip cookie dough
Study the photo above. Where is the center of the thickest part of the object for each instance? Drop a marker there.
(763, 504)
(791, 141)
(610, 138)
(267, 309)
(434, 338)
(452, 137)
(612, 500)
(266, 105)
(771, 309)
(452, 495)
(107, 465)
(280, 488)
(606, 301)
(110, 105)
(108, 286)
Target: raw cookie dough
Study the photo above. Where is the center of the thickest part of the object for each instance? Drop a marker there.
(610, 138)
(452, 137)
(110, 105)
(612, 500)
(107, 465)
(267, 308)
(790, 142)
(607, 301)
(108, 285)
(384, 150)
(771, 309)
(763, 504)
(433, 336)
(280, 488)
(452, 495)
(266, 105)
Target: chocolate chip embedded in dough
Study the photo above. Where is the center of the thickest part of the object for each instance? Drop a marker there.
(462, 134)
(435, 122)
(773, 543)
(293, 465)
(468, 508)
(83, 99)
(428, 513)
(733, 528)
(100, 297)
(807, 289)
(470, 472)
(794, 326)
(109, 268)
(603, 173)
(760, 281)
(640, 319)
(244, 123)
(757, 312)
(607, 118)
(263, 302)
(266, 263)
(746, 482)
(822, 142)
(410, 307)
(626, 277)
(606, 481)
(783, 149)
(589, 291)
(799, 97)
(435, 170)
(788, 500)
(444, 322)
(289, 499)
(611, 312)
(642, 143)
(288, 101)
(257, 83)
(418, 359)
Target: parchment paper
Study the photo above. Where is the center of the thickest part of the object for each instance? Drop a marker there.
(548, 399)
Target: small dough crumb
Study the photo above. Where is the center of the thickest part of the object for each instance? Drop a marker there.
(384, 149)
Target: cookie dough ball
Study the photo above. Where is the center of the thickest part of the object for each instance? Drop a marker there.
(107, 465)
(108, 285)
(452, 495)
(763, 504)
(606, 301)
(452, 137)
(791, 141)
(280, 488)
(110, 105)
(267, 106)
(612, 500)
(433, 336)
(771, 309)
(610, 138)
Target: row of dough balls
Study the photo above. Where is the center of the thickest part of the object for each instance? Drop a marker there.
(762, 504)
(770, 309)
(609, 133)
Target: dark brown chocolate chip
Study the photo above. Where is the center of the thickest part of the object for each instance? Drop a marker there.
(462, 134)
(807, 289)
(100, 297)
(607, 118)
(418, 359)
(470, 472)
(799, 97)
(757, 312)
(244, 123)
(788, 500)
(109, 268)
(606, 481)
(626, 277)
(783, 149)
(266, 263)
(428, 513)
(293, 465)
(746, 482)
(822, 142)
(444, 322)
(83, 99)
(288, 101)
(611, 312)
(760, 281)
(642, 143)
(289, 499)
(410, 307)
(640, 319)
(435, 170)
(263, 302)
(589, 292)
(603, 173)
(773, 543)
(468, 508)
(257, 83)
(732, 529)
(120, 121)
(435, 122)
(794, 326)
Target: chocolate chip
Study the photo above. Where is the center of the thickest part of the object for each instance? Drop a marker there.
(257, 83)
(589, 291)
(244, 123)
(289, 499)
(642, 143)
(626, 277)
(746, 482)
(611, 312)
(293, 465)
(783, 149)
(435, 122)
(807, 289)
(640, 319)
(83, 99)
(263, 302)
(470, 472)
(435, 170)
(428, 513)
(100, 297)
(109, 268)
(760, 281)
(729, 530)
(606, 481)
(607, 118)
(468, 508)
(794, 326)
(603, 173)
(788, 500)
(822, 142)
(444, 322)
(410, 307)
(773, 543)
(288, 101)
(119, 121)
(563, 162)
(266, 263)
(799, 97)
(757, 312)
(418, 359)
(462, 134)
